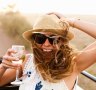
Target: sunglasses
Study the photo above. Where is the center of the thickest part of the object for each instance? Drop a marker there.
(41, 38)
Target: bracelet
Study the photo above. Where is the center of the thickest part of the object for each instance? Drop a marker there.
(72, 21)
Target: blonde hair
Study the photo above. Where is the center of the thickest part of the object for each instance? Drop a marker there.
(59, 65)
(60, 61)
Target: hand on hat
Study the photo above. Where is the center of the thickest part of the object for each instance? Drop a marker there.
(62, 17)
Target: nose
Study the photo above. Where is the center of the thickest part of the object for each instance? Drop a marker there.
(47, 43)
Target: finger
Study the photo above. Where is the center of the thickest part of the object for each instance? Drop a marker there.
(55, 13)
(10, 58)
(9, 65)
(9, 51)
(50, 13)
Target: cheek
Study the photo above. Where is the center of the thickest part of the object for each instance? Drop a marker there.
(39, 45)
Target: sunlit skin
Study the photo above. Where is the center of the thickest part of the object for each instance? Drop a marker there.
(81, 61)
(46, 46)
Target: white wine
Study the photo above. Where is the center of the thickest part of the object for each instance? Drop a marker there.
(20, 57)
(19, 53)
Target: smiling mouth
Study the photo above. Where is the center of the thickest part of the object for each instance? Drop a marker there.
(47, 50)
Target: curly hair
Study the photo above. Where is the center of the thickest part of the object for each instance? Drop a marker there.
(55, 65)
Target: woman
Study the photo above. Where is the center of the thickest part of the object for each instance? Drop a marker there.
(54, 64)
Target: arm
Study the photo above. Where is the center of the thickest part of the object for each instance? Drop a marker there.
(89, 28)
(86, 57)
(7, 69)
(7, 76)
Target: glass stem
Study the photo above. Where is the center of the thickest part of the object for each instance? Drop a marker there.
(17, 74)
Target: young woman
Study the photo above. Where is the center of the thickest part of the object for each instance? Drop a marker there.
(53, 64)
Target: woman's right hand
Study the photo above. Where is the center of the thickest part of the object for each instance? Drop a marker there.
(8, 58)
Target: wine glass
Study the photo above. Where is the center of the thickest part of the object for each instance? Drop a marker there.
(20, 56)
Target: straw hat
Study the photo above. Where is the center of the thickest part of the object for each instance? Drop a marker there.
(48, 23)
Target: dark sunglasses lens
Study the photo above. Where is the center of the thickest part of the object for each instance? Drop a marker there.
(39, 38)
(51, 40)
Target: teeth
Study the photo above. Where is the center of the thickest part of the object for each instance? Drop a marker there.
(46, 50)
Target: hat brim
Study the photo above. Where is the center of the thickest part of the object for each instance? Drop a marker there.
(27, 34)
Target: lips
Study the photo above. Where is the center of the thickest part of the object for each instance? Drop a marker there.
(47, 50)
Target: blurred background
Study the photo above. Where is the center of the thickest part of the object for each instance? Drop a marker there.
(17, 16)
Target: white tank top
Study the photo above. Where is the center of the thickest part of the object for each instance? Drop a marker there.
(34, 81)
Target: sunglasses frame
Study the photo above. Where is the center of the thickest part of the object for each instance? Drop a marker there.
(41, 39)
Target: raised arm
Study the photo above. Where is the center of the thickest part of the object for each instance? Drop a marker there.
(87, 27)
(86, 57)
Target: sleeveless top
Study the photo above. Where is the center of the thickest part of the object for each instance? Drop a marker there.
(33, 80)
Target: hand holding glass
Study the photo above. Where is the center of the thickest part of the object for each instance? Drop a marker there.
(19, 49)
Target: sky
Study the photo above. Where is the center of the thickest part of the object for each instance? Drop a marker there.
(44, 6)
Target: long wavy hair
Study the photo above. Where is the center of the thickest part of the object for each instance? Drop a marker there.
(57, 64)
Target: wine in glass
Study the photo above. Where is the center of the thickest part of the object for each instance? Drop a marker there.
(19, 49)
